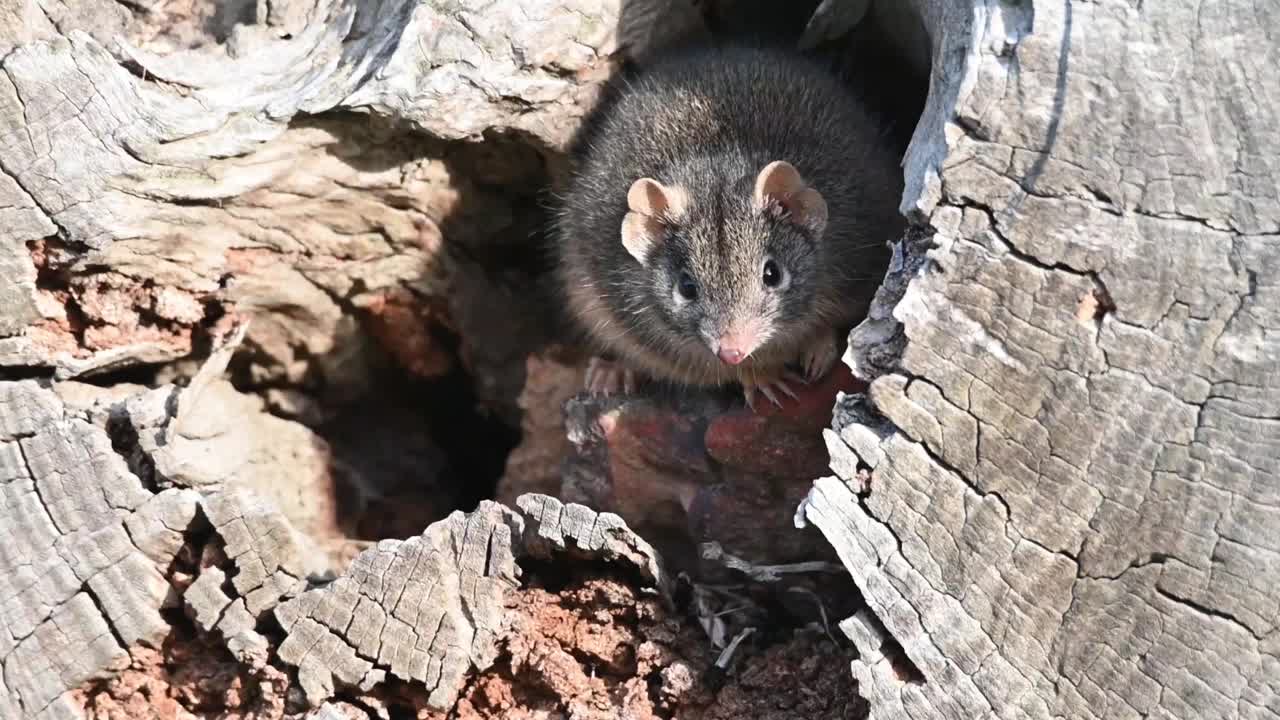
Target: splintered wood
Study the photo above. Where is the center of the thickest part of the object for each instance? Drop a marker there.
(86, 551)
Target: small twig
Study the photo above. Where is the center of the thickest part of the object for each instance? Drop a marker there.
(730, 611)
(822, 611)
(765, 573)
(710, 621)
(726, 656)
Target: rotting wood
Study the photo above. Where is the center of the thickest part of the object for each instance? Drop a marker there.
(86, 563)
(430, 609)
(1066, 506)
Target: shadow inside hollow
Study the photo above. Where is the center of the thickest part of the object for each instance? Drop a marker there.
(416, 402)
(892, 79)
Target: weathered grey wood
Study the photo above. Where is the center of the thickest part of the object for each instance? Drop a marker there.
(85, 552)
(429, 610)
(145, 166)
(1073, 512)
(88, 546)
(552, 526)
(264, 547)
(425, 610)
(149, 175)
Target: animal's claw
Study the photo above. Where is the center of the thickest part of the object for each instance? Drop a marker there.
(794, 377)
(764, 390)
(606, 378)
(769, 388)
(819, 358)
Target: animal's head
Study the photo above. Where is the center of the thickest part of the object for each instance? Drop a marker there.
(734, 266)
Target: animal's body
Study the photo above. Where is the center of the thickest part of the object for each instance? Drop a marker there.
(728, 214)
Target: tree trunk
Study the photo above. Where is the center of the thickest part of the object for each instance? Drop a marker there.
(224, 228)
(1073, 500)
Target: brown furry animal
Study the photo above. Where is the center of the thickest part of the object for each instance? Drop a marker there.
(728, 215)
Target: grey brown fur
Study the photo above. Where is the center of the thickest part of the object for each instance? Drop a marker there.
(706, 122)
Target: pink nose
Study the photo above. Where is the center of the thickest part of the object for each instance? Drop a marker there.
(731, 355)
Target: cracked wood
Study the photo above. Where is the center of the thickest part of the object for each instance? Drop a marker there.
(1073, 504)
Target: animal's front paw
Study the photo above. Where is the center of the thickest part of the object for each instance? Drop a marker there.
(770, 388)
(819, 358)
(605, 377)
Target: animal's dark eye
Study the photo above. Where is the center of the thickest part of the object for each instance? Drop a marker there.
(772, 274)
(687, 288)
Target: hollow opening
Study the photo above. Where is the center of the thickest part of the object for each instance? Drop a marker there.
(398, 333)
(885, 60)
(885, 57)
(428, 257)
(409, 451)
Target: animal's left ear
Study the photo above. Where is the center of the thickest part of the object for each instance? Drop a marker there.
(779, 185)
(641, 235)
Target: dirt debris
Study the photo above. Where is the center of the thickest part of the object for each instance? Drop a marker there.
(190, 676)
(597, 649)
(590, 648)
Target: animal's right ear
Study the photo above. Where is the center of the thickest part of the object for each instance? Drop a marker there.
(779, 185)
(651, 206)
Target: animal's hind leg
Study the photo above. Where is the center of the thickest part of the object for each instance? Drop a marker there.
(607, 377)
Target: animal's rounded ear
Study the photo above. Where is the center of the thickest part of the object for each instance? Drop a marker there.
(641, 235)
(650, 197)
(777, 179)
(779, 185)
(652, 205)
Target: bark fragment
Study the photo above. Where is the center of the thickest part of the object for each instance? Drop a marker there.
(428, 610)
